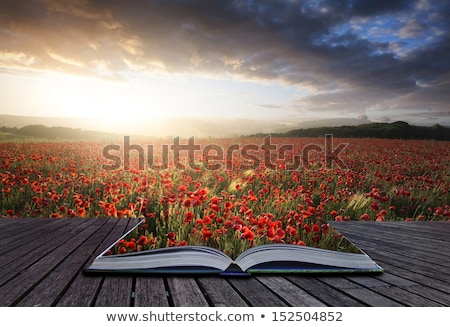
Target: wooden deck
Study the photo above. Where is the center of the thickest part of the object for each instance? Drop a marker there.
(42, 261)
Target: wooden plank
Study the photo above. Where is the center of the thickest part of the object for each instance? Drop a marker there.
(256, 294)
(416, 281)
(395, 280)
(394, 236)
(36, 249)
(38, 228)
(83, 290)
(150, 292)
(432, 267)
(404, 259)
(290, 292)
(401, 295)
(406, 297)
(16, 288)
(48, 290)
(429, 229)
(383, 236)
(220, 293)
(48, 271)
(412, 275)
(367, 296)
(184, 292)
(432, 294)
(116, 291)
(323, 292)
(22, 227)
(5, 221)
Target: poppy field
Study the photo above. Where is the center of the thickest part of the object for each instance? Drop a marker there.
(232, 202)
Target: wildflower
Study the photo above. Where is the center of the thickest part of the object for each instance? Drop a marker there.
(277, 239)
(248, 234)
(207, 220)
(374, 206)
(315, 228)
(228, 205)
(143, 240)
(171, 235)
(206, 233)
(307, 228)
(131, 245)
(291, 230)
(188, 217)
(364, 216)
(280, 233)
(271, 233)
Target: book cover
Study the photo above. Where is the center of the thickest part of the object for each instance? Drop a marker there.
(143, 250)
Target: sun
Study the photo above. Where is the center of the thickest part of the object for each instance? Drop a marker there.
(108, 103)
(150, 104)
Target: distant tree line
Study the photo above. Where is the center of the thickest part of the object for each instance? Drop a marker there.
(396, 130)
(66, 133)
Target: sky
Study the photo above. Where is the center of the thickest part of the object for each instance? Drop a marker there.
(120, 62)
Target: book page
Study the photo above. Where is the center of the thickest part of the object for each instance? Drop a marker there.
(154, 233)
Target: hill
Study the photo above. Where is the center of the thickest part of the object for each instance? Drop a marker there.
(177, 126)
(396, 130)
(41, 132)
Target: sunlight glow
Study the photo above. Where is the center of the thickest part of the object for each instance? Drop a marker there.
(104, 101)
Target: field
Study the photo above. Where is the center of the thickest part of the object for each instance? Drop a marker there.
(229, 192)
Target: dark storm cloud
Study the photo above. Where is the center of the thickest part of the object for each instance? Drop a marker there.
(292, 42)
(376, 7)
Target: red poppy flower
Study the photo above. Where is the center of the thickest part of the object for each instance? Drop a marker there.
(207, 220)
(364, 216)
(206, 233)
(143, 240)
(271, 233)
(277, 239)
(171, 235)
(374, 206)
(248, 234)
(228, 205)
(188, 217)
(131, 245)
(307, 228)
(315, 228)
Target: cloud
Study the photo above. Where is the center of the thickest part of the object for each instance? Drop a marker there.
(412, 28)
(291, 42)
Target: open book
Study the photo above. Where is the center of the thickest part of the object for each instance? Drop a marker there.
(268, 258)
